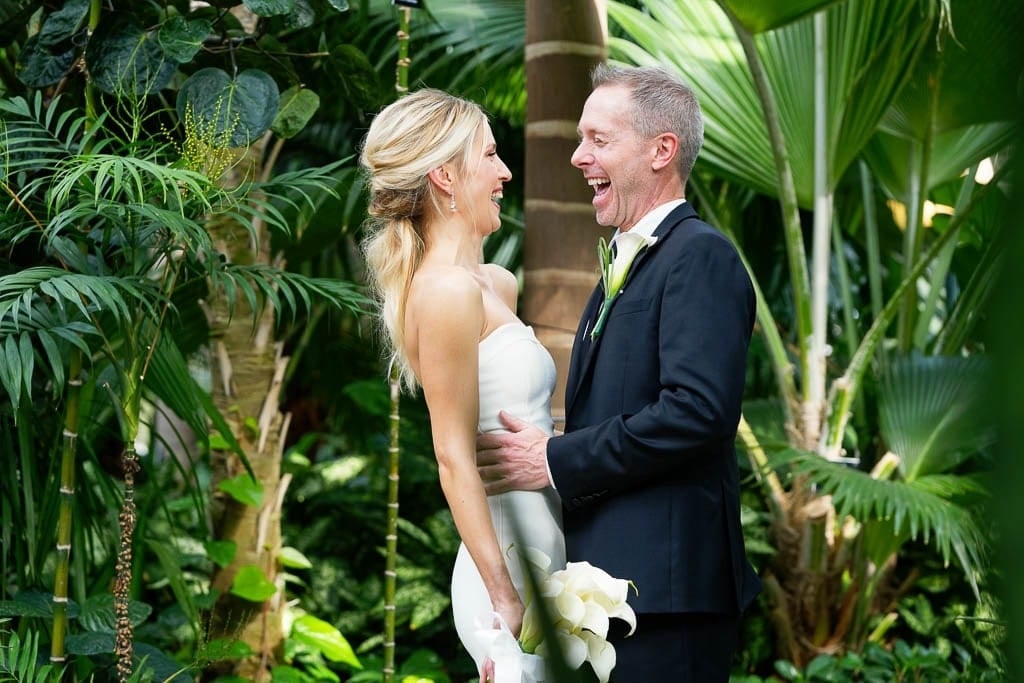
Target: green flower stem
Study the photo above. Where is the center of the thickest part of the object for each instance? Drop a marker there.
(602, 315)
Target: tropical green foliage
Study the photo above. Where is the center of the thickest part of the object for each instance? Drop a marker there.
(108, 260)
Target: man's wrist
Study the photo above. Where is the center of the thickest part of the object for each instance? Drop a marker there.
(547, 465)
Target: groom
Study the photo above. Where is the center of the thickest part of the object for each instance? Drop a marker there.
(646, 468)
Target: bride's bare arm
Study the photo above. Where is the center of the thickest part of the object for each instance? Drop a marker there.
(448, 317)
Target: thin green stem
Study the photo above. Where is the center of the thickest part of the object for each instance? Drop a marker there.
(787, 199)
(874, 258)
(913, 238)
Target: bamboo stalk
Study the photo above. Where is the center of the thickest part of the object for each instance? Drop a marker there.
(394, 449)
(65, 514)
(65, 519)
(390, 573)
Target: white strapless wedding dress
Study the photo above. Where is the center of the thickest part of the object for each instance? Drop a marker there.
(517, 375)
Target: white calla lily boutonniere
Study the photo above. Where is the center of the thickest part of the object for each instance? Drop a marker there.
(581, 600)
(613, 272)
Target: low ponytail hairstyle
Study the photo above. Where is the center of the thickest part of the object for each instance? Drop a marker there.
(407, 139)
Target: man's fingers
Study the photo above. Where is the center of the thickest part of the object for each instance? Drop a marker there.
(488, 441)
(493, 488)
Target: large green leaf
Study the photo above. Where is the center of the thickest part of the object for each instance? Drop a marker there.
(932, 412)
(325, 638)
(97, 613)
(240, 109)
(890, 155)
(39, 67)
(252, 584)
(65, 22)
(947, 103)
(871, 45)
(270, 8)
(182, 38)
(757, 15)
(298, 105)
(125, 58)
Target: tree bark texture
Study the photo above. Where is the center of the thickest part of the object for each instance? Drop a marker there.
(564, 41)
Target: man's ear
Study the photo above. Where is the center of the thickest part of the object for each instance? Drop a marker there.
(665, 151)
(442, 179)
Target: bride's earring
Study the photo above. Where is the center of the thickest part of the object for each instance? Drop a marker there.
(451, 204)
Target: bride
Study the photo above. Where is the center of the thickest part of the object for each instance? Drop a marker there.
(435, 181)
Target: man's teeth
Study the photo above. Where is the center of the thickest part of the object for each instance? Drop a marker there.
(594, 182)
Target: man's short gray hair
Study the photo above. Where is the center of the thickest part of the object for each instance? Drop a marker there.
(662, 103)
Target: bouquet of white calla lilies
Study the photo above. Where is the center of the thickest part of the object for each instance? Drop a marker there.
(581, 600)
(614, 271)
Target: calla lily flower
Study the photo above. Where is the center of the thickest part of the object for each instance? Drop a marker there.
(582, 599)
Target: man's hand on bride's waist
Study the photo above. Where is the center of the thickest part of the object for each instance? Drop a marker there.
(513, 461)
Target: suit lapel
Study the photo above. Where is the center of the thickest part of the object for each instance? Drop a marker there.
(581, 346)
(584, 348)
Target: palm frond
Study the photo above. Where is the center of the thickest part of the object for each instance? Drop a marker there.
(284, 290)
(471, 48)
(871, 47)
(41, 286)
(916, 509)
(128, 179)
(38, 132)
(932, 412)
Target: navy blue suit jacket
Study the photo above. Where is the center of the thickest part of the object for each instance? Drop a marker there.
(647, 466)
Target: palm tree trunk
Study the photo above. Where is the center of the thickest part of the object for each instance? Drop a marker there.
(564, 41)
(248, 370)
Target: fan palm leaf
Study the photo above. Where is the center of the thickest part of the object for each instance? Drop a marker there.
(932, 412)
(871, 47)
(948, 99)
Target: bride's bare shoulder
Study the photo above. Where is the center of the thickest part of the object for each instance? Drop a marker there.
(444, 292)
(504, 282)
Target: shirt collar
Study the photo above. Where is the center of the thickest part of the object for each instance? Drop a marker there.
(649, 223)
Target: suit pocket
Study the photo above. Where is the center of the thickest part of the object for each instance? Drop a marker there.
(629, 306)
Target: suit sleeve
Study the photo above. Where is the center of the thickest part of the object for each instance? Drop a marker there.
(705, 319)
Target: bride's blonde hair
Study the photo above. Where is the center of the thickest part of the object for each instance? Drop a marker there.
(407, 139)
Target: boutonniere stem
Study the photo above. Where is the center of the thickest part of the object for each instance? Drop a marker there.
(615, 270)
